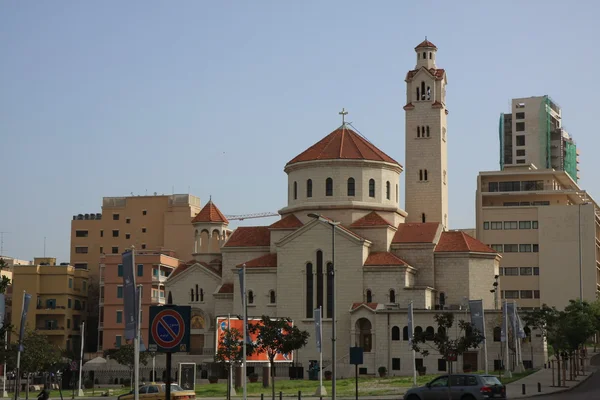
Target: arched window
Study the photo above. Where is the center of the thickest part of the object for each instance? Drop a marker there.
(196, 292)
(309, 290)
(351, 188)
(442, 331)
(250, 297)
(425, 174)
(272, 297)
(405, 333)
(418, 331)
(442, 299)
(428, 93)
(418, 131)
(309, 188)
(192, 294)
(319, 279)
(395, 333)
(424, 55)
(429, 333)
(497, 334)
(369, 296)
(527, 331)
(430, 55)
(371, 187)
(201, 294)
(329, 187)
(423, 217)
(418, 94)
(295, 190)
(427, 130)
(422, 90)
(420, 174)
(388, 190)
(392, 296)
(423, 131)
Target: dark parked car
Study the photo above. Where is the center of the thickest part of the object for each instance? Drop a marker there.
(461, 386)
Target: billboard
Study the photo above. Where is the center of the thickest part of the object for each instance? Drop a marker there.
(238, 324)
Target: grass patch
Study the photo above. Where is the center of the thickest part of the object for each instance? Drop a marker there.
(372, 386)
(517, 376)
(87, 393)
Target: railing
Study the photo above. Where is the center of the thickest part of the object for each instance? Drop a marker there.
(159, 279)
(159, 300)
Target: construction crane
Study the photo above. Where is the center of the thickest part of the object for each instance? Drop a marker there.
(242, 217)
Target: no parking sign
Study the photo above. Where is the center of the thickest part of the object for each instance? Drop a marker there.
(169, 329)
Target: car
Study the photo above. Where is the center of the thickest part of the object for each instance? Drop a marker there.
(461, 386)
(156, 391)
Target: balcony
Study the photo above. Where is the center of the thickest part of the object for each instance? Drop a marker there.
(57, 310)
(159, 279)
(158, 300)
(48, 331)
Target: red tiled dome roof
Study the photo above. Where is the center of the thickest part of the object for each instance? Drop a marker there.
(426, 44)
(210, 213)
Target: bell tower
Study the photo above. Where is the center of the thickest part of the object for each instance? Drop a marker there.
(426, 163)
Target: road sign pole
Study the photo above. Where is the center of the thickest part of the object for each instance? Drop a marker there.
(136, 358)
(80, 391)
(169, 364)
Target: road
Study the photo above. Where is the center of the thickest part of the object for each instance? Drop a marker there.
(588, 390)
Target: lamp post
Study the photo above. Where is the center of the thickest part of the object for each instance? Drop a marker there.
(333, 225)
(495, 291)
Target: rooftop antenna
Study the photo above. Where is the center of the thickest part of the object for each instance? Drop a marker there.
(44, 246)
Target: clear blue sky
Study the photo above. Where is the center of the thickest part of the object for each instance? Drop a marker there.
(109, 97)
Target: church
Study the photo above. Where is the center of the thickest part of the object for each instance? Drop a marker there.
(343, 198)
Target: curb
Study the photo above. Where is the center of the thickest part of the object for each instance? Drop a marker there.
(567, 389)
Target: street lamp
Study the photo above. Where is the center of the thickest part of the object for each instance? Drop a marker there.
(495, 291)
(333, 225)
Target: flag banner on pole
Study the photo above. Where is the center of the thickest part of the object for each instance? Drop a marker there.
(477, 317)
(26, 300)
(129, 296)
(503, 333)
(241, 276)
(317, 318)
(2, 310)
(515, 321)
(520, 327)
(410, 324)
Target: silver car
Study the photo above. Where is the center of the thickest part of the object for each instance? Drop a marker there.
(461, 387)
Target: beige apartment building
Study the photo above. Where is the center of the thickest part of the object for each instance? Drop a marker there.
(533, 133)
(146, 222)
(546, 228)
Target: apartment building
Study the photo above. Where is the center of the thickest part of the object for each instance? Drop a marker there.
(58, 300)
(548, 231)
(146, 222)
(151, 271)
(533, 133)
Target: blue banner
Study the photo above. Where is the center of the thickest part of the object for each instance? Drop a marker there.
(26, 300)
(317, 317)
(411, 329)
(477, 316)
(129, 296)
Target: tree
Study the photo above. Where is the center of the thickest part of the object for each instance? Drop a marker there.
(468, 338)
(277, 336)
(125, 355)
(231, 349)
(37, 356)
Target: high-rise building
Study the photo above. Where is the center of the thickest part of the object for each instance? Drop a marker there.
(533, 133)
(547, 229)
(58, 301)
(146, 222)
(426, 162)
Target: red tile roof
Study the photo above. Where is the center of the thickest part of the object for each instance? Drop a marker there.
(249, 236)
(437, 73)
(288, 222)
(371, 219)
(384, 258)
(425, 44)
(372, 306)
(185, 265)
(437, 104)
(268, 260)
(409, 106)
(227, 287)
(343, 143)
(210, 213)
(461, 242)
(416, 233)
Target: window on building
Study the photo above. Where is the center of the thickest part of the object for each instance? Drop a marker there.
(520, 115)
(534, 224)
(524, 224)
(115, 250)
(119, 316)
(144, 230)
(140, 270)
(536, 294)
(425, 175)
(441, 364)
(295, 190)
(272, 298)
(511, 294)
(418, 131)
(115, 217)
(501, 271)
(201, 295)
(511, 248)
(68, 326)
(392, 296)
(118, 341)
(388, 190)
(395, 364)
(520, 140)
(486, 225)
(520, 126)
(520, 161)
(497, 247)
(127, 220)
(420, 174)
(120, 270)
(81, 250)
(329, 290)
(521, 153)
(329, 187)
(250, 297)
(143, 246)
(535, 248)
(101, 233)
(371, 187)
(309, 188)
(369, 296)
(510, 225)
(524, 248)
(526, 271)
(145, 212)
(81, 233)
(319, 273)
(395, 333)
(351, 187)
(536, 270)
(69, 303)
(497, 334)
(405, 333)
(119, 292)
(526, 294)
(496, 225)
(427, 130)
(115, 233)
(309, 290)
(511, 271)
(423, 217)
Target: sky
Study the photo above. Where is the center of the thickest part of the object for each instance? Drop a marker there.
(109, 98)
